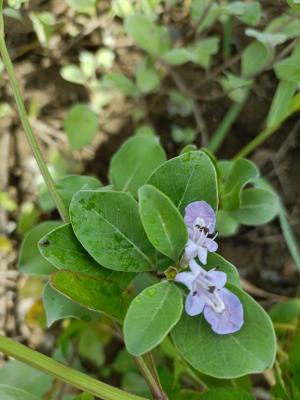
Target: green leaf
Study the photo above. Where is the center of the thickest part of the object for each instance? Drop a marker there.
(72, 73)
(286, 312)
(162, 222)
(177, 56)
(226, 393)
(147, 78)
(251, 350)
(237, 88)
(30, 261)
(13, 393)
(187, 178)
(58, 307)
(241, 172)
(203, 50)
(294, 358)
(246, 12)
(255, 57)
(90, 346)
(226, 225)
(83, 6)
(141, 155)
(120, 82)
(288, 70)
(151, 316)
(23, 377)
(95, 294)
(214, 260)
(108, 226)
(272, 39)
(280, 106)
(44, 25)
(258, 206)
(66, 187)
(81, 125)
(149, 36)
(62, 249)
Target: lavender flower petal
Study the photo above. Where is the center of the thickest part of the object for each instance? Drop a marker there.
(211, 245)
(195, 268)
(231, 319)
(191, 250)
(203, 211)
(194, 304)
(187, 278)
(202, 254)
(217, 278)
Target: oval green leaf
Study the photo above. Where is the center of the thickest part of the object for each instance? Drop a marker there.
(141, 155)
(108, 226)
(258, 206)
(241, 172)
(251, 350)
(151, 316)
(58, 306)
(95, 294)
(30, 261)
(13, 393)
(162, 222)
(80, 125)
(187, 178)
(62, 249)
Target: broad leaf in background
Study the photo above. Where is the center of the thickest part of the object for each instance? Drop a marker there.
(226, 225)
(22, 377)
(151, 316)
(58, 306)
(108, 226)
(236, 88)
(72, 73)
(30, 260)
(294, 358)
(141, 155)
(204, 13)
(162, 222)
(246, 12)
(62, 249)
(187, 178)
(255, 57)
(147, 78)
(83, 6)
(81, 125)
(226, 393)
(203, 50)
(241, 172)
(271, 39)
(117, 81)
(67, 186)
(149, 36)
(13, 393)
(44, 25)
(251, 350)
(96, 294)
(258, 206)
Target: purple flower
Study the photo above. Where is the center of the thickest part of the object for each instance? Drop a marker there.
(221, 308)
(200, 219)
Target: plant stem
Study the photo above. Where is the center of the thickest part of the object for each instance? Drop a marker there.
(156, 391)
(152, 366)
(26, 125)
(66, 374)
(223, 129)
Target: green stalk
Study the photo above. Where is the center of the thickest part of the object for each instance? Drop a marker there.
(26, 125)
(66, 374)
(224, 127)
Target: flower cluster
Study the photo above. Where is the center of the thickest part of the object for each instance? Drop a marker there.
(221, 308)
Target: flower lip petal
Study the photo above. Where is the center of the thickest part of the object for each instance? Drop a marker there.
(194, 305)
(202, 210)
(231, 319)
